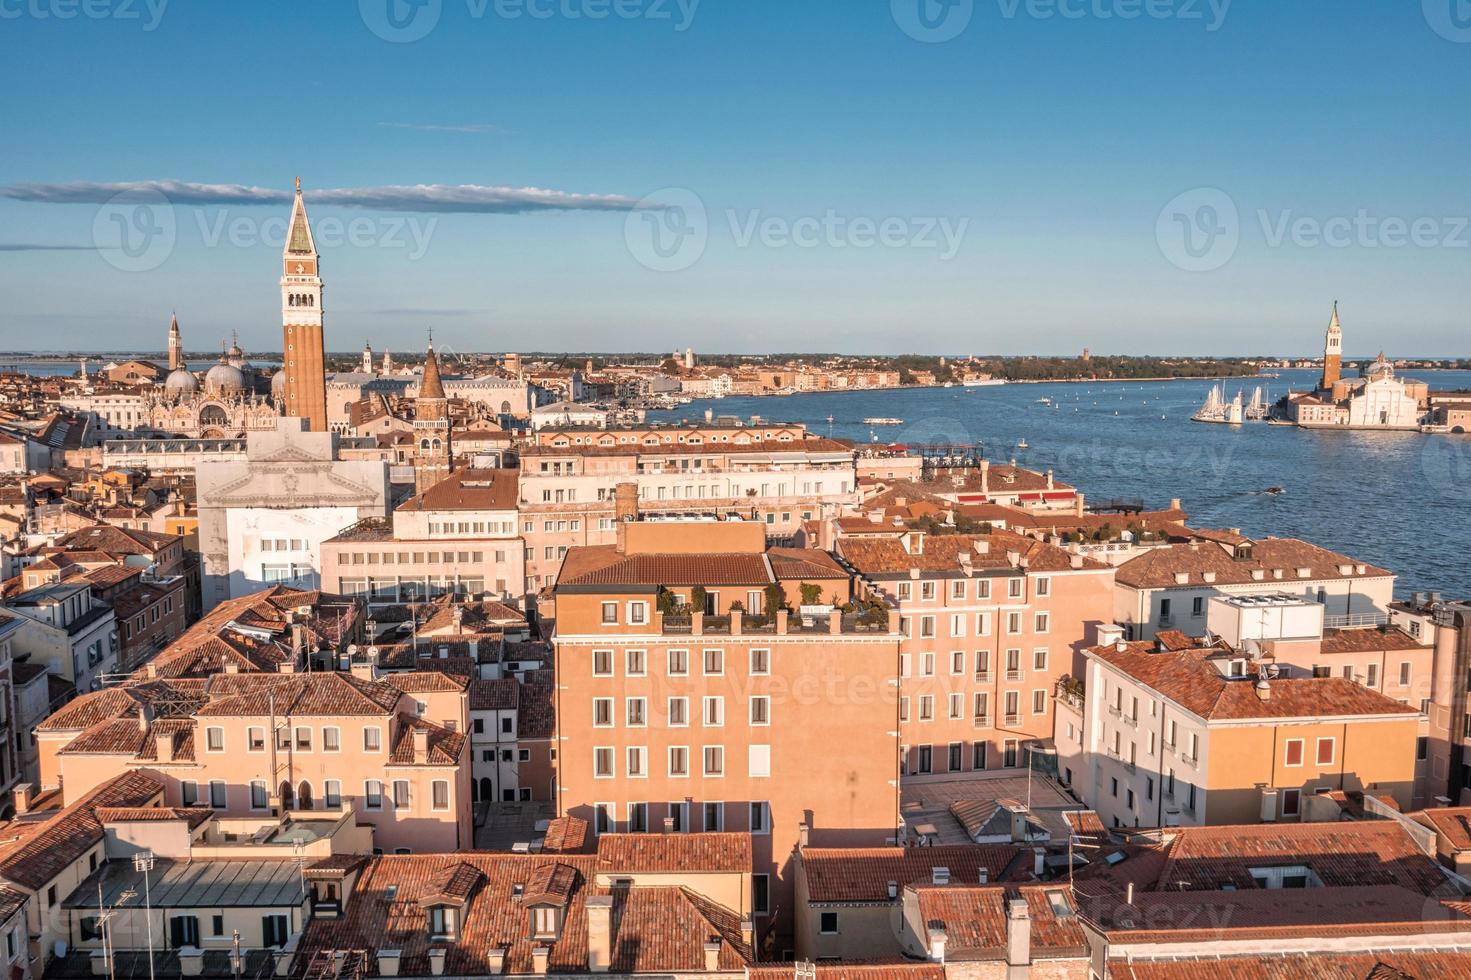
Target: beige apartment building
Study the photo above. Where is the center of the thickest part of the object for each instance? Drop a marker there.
(990, 624)
(392, 751)
(1446, 627)
(459, 536)
(577, 484)
(687, 700)
(1161, 735)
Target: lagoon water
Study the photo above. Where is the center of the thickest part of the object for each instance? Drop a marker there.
(1396, 499)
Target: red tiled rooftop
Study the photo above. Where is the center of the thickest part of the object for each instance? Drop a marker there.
(605, 566)
(862, 874)
(674, 852)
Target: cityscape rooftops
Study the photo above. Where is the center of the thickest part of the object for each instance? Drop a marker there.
(1266, 559)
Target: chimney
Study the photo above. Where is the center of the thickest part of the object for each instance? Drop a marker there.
(599, 933)
(164, 744)
(748, 934)
(938, 938)
(1175, 504)
(985, 475)
(539, 956)
(893, 890)
(985, 875)
(712, 955)
(1263, 690)
(804, 835)
(1050, 484)
(1075, 560)
(24, 793)
(1018, 824)
(497, 960)
(421, 745)
(1129, 894)
(1081, 507)
(1018, 933)
(668, 825)
(145, 717)
(1039, 861)
(436, 962)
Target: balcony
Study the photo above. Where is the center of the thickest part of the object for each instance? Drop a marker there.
(1013, 675)
(982, 721)
(984, 677)
(1013, 721)
(1129, 720)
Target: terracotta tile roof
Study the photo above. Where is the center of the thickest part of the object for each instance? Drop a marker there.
(73, 831)
(1453, 824)
(604, 566)
(335, 865)
(1158, 568)
(537, 716)
(941, 553)
(117, 540)
(445, 746)
(551, 883)
(974, 919)
(121, 737)
(674, 852)
(567, 835)
(427, 682)
(502, 694)
(862, 874)
(1370, 640)
(452, 886)
(654, 930)
(194, 816)
(11, 902)
(321, 694)
(848, 970)
(804, 563)
(1451, 964)
(1214, 916)
(1187, 679)
(470, 490)
(1345, 853)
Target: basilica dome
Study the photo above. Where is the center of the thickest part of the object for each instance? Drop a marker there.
(224, 377)
(180, 382)
(278, 385)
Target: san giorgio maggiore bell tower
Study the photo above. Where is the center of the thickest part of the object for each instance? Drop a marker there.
(301, 314)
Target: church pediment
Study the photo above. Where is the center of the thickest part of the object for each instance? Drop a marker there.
(315, 485)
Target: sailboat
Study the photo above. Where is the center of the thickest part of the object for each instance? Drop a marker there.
(1219, 411)
(1259, 408)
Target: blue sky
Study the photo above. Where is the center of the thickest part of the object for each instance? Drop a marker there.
(1196, 179)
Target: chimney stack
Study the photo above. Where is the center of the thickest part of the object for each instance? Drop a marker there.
(804, 835)
(164, 745)
(24, 793)
(712, 955)
(1018, 933)
(421, 745)
(599, 933)
(938, 938)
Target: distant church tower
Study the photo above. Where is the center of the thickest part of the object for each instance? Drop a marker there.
(367, 358)
(387, 362)
(301, 314)
(1333, 352)
(176, 345)
(431, 427)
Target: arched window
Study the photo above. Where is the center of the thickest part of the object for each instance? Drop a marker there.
(424, 445)
(304, 795)
(487, 789)
(288, 798)
(436, 445)
(505, 408)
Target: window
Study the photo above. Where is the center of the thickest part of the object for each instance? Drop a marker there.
(1291, 802)
(679, 663)
(927, 665)
(188, 792)
(761, 894)
(926, 760)
(638, 818)
(926, 591)
(217, 798)
(440, 794)
(828, 924)
(635, 663)
(1041, 622)
(761, 710)
(610, 613)
(1014, 588)
(905, 591)
(1293, 752)
(714, 712)
(332, 739)
(679, 712)
(1326, 751)
(714, 760)
(954, 756)
(926, 707)
(638, 757)
(638, 613)
(401, 794)
(714, 663)
(714, 817)
(1039, 658)
(372, 739)
(259, 797)
(760, 663)
(1404, 674)
(956, 705)
(602, 712)
(637, 712)
(602, 762)
(332, 794)
(957, 661)
(957, 589)
(602, 663)
(214, 739)
(679, 761)
(927, 627)
(760, 818)
(758, 761)
(1039, 702)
